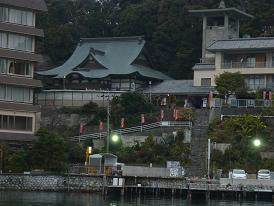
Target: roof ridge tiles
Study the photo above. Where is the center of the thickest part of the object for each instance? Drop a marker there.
(140, 38)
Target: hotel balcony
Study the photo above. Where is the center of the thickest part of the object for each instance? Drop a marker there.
(247, 65)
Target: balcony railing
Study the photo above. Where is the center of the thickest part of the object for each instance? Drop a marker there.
(240, 65)
(250, 103)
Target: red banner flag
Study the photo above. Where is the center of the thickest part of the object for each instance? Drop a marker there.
(101, 125)
(122, 123)
(270, 95)
(81, 129)
(264, 94)
(162, 114)
(175, 114)
(142, 118)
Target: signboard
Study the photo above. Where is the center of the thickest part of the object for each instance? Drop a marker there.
(174, 172)
(164, 123)
(173, 164)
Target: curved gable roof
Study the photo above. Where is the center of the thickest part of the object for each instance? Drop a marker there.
(116, 54)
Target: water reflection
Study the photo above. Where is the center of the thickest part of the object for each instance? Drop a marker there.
(78, 199)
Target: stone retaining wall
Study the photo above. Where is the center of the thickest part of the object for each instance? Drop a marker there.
(50, 182)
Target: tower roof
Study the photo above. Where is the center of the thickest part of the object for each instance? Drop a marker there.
(222, 11)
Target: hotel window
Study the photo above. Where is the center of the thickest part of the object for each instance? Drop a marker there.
(20, 42)
(4, 14)
(3, 40)
(19, 68)
(16, 123)
(206, 82)
(16, 94)
(3, 66)
(21, 17)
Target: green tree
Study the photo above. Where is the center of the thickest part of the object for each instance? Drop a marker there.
(239, 132)
(129, 106)
(16, 161)
(48, 151)
(229, 83)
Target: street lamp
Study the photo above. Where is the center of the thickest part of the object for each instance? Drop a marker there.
(257, 142)
(115, 138)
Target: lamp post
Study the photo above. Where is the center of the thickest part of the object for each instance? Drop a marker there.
(208, 157)
(149, 83)
(64, 82)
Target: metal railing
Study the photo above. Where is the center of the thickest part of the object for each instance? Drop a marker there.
(237, 65)
(132, 130)
(250, 103)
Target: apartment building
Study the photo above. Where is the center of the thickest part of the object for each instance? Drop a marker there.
(224, 51)
(19, 117)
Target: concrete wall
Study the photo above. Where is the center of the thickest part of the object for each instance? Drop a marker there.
(74, 98)
(150, 171)
(247, 182)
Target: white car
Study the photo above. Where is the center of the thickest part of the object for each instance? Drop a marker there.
(263, 174)
(238, 174)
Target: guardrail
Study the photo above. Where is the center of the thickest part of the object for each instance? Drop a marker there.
(132, 130)
(250, 103)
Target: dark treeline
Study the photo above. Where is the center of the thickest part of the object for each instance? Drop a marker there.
(173, 36)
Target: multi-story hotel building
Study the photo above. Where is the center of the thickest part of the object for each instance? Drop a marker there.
(224, 51)
(19, 117)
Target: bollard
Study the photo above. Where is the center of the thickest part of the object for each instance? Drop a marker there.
(122, 192)
(207, 195)
(189, 196)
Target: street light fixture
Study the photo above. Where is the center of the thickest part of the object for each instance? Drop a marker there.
(115, 138)
(257, 142)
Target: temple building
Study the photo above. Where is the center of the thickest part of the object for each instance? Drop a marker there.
(19, 117)
(99, 69)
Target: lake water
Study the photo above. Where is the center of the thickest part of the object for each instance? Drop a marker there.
(79, 199)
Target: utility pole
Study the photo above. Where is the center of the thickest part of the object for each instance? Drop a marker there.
(208, 158)
(149, 91)
(108, 127)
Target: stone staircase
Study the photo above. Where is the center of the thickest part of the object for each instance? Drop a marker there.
(198, 165)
